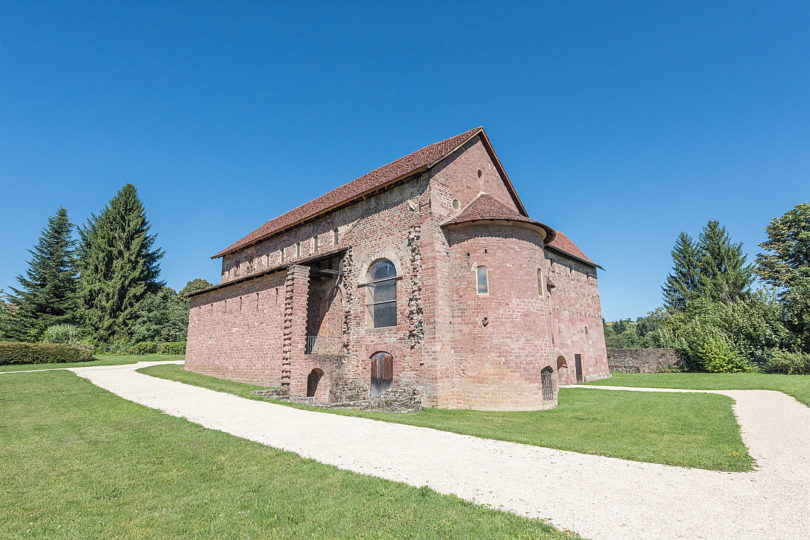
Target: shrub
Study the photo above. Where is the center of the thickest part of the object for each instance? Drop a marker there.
(43, 353)
(61, 333)
(172, 347)
(789, 363)
(144, 347)
(712, 352)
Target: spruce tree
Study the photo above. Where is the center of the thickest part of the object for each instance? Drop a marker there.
(724, 274)
(683, 283)
(118, 266)
(786, 265)
(47, 293)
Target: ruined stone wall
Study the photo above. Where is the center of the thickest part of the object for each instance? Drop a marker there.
(386, 225)
(236, 333)
(577, 317)
(643, 360)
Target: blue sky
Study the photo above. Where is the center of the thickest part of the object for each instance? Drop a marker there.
(620, 123)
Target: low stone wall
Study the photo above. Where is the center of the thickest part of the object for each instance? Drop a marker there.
(402, 399)
(643, 360)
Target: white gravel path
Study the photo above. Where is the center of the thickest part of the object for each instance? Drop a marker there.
(598, 497)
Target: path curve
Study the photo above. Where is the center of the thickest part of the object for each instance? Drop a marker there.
(596, 496)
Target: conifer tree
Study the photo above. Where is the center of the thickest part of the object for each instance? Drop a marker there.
(724, 274)
(683, 283)
(118, 266)
(47, 293)
(786, 265)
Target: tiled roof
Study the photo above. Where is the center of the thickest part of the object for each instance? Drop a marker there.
(562, 243)
(487, 208)
(405, 166)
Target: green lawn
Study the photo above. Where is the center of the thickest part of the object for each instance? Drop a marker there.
(797, 386)
(690, 430)
(99, 360)
(79, 462)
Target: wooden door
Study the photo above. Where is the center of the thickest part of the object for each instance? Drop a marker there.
(578, 361)
(382, 373)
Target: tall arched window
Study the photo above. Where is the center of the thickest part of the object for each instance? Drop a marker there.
(482, 280)
(382, 293)
(540, 281)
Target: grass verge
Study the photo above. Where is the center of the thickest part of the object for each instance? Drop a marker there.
(79, 462)
(98, 360)
(797, 386)
(687, 430)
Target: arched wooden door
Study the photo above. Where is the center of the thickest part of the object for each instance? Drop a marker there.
(382, 373)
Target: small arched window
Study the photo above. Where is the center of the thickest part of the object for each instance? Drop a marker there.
(540, 281)
(482, 280)
(382, 294)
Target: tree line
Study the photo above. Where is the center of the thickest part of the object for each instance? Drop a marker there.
(714, 312)
(99, 286)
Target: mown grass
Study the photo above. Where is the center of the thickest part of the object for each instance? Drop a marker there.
(688, 430)
(797, 386)
(79, 462)
(98, 360)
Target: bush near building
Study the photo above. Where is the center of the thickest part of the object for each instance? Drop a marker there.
(43, 353)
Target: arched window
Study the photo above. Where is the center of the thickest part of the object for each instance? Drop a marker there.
(482, 280)
(547, 384)
(382, 293)
(382, 373)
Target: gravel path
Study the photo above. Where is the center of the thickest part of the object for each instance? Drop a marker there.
(598, 497)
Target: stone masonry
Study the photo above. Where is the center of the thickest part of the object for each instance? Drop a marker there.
(295, 306)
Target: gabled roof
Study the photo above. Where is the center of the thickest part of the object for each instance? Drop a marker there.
(395, 171)
(487, 208)
(564, 245)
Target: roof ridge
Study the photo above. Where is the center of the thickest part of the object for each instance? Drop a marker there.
(400, 168)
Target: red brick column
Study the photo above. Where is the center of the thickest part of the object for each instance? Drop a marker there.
(296, 296)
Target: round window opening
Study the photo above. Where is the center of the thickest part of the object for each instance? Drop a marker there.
(455, 204)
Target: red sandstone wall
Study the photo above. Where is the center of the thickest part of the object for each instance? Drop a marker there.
(457, 178)
(439, 343)
(577, 317)
(385, 225)
(236, 333)
(498, 361)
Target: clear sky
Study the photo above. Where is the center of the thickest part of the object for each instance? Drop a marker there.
(620, 123)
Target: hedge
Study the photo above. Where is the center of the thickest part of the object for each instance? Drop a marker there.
(43, 353)
(172, 347)
(150, 347)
